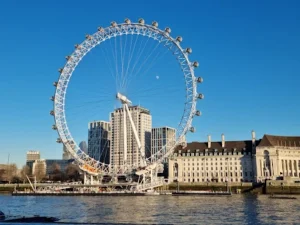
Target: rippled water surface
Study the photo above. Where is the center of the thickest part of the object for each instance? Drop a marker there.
(237, 209)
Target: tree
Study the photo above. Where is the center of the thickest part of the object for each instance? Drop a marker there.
(25, 172)
(11, 172)
(56, 173)
(39, 173)
(72, 172)
(2, 174)
(16, 180)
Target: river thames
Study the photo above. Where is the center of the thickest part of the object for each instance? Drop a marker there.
(237, 209)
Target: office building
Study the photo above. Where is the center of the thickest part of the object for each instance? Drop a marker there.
(33, 155)
(99, 136)
(66, 155)
(132, 156)
(60, 163)
(83, 146)
(162, 140)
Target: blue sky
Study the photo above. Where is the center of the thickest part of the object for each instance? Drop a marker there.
(248, 53)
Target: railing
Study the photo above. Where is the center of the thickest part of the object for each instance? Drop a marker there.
(158, 182)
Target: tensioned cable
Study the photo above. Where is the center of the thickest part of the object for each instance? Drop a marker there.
(131, 54)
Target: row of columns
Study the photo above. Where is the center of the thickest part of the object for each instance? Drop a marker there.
(288, 167)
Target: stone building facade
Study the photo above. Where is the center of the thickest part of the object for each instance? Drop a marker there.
(272, 157)
(213, 161)
(276, 157)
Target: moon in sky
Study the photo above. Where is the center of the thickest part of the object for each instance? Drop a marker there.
(157, 77)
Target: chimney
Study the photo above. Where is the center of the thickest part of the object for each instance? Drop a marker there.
(223, 140)
(209, 141)
(253, 137)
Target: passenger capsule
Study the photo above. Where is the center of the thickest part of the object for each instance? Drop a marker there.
(77, 46)
(113, 24)
(195, 64)
(201, 96)
(127, 21)
(100, 29)
(54, 127)
(199, 79)
(168, 30)
(58, 140)
(154, 24)
(198, 113)
(179, 39)
(52, 98)
(60, 70)
(52, 113)
(88, 37)
(55, 84)
(188, 50)
(192, 129)
(141, 21)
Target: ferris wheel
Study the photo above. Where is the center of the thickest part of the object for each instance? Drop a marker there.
(117, 30)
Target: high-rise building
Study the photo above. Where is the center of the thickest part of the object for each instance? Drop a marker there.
(162, 139)
(83, 146)
(142, 121)
(66, 154)
(33, 155)
(99, 137)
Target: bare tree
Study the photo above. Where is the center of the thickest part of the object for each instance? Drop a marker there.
(72, 172)
(11, 172)
(56, 173)
(2, 174)
(40, 171)
(25, 172)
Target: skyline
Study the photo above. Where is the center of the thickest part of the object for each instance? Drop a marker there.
(249, 65)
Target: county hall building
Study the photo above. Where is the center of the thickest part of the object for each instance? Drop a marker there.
(271, 157)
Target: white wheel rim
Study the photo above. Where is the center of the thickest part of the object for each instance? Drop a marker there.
(86, 162)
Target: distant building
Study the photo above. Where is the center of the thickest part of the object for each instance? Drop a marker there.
(83, 146)
(99, 137)
(143, 122)
(277, 157)
(66, 154)
(49, 164)
(33, 155)
(62, 164)
(39, 168)
(162, 139)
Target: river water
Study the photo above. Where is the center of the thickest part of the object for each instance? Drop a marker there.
(237, 209)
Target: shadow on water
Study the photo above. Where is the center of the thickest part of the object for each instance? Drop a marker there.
(251, 209)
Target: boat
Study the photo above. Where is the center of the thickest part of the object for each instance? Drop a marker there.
(32, 219)
(206, 193)
(282, 197)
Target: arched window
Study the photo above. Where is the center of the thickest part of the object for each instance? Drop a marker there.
(267, 169)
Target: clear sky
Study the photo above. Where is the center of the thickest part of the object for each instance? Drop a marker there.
(248, 53)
